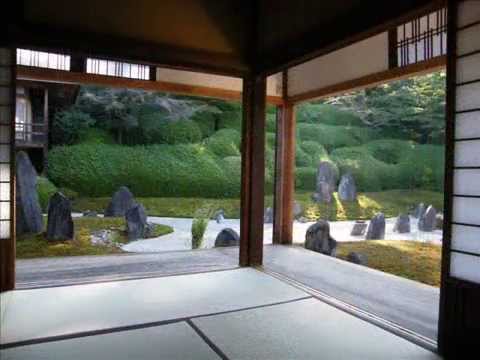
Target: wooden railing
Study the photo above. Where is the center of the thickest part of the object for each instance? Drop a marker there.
(30, 134)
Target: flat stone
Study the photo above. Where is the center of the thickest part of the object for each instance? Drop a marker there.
(227, 237)
(376, 228)
(121, 202)
(318, 239)
(89, 213)
(28, 210)
(219, 216)
(357, 258)
(60, 223)
(359, 228)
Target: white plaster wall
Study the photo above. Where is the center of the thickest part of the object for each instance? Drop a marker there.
(357, 60)
(274, 82)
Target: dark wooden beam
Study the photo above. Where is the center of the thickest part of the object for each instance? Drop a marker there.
(253, 171)
(392, 48)
(69, 77)
(398, 73)
(285, 175)
(46, 131)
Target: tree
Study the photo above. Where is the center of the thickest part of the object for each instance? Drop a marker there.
(412, 108)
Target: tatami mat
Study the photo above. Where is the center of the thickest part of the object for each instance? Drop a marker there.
(50, 312)
(173, 341)
(306, 329)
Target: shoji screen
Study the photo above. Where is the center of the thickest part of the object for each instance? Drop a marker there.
(459, 326)
(7, 109)
(465, 237)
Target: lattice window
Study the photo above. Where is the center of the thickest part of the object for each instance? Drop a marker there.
(43, 59)
(119, 69)
(422, 39)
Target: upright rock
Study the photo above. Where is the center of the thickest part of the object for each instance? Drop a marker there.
(121, 202)
(419, 210)
(347, 190)
(439, 221)
(219, 216)
(317, 238)
(268, 216)
(29, 212)
(402, 224)
(60, 223)
(136, 219)
(326, 182)
(428, 221)
(227, 237)
(376, 228)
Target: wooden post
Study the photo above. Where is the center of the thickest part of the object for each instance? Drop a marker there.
(253, 171)
(45, 128)
(7, 169)
(285, 175)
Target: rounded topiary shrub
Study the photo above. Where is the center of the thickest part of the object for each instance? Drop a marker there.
(178, 132)
(389, 150)
(315, 151)
(225, 142)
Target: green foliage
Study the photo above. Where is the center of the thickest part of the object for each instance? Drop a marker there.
(326, 114)
(45, 189)
(305, 178)
(178, 132)
(199, 226)
(70, 126)
(389, 150)
(95, 136)
(413, 108)
(225, 142)
(155, 170)
(370, 174)
(315, 151)
(271, 123)
(329, 136)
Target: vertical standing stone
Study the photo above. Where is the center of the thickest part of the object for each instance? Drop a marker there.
(29, 213)
(376, 228)
(121, 202)
(347, 189)
(60, 223)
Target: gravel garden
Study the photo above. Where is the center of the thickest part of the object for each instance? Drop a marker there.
(131, 171)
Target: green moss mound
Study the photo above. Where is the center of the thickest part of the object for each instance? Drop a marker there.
(45, 189)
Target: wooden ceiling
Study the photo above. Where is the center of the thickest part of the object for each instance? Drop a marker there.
(234, 37)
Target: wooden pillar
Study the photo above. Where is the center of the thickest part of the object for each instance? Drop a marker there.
(284, 175)
(7, 169)
(253, 171)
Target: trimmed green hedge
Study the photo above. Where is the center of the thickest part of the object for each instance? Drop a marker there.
(305, 178)
(332, 137)
(225, 142)
(156, 170)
